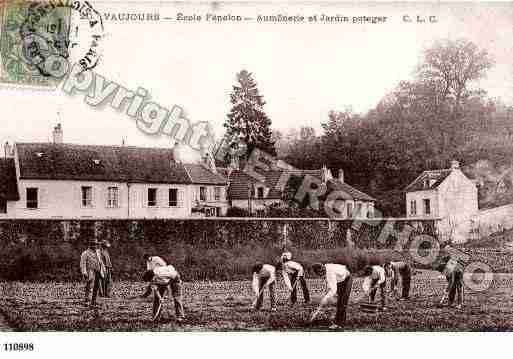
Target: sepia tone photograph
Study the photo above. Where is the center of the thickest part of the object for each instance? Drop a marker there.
(255, 167)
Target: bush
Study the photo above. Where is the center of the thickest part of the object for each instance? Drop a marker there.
(237, 212)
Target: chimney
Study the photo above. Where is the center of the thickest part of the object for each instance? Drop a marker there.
(326, 174)
(7, 149)
(234, 162)
(455, 165)
(177, 154)
(57, 134)
(341, 175)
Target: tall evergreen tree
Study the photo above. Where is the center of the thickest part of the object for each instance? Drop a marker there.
(247, 121)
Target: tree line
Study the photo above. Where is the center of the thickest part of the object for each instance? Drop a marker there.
(439, 115)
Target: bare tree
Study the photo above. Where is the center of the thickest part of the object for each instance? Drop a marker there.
(449, 66)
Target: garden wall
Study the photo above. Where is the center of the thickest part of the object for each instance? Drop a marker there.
(218, 248)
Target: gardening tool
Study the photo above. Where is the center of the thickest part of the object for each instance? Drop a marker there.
(369, 308)
(258, 296)
(158, 310)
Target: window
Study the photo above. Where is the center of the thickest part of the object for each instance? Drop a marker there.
(3, 205)
(32, 198)
(359, 210)
(203, 193)
(260, 192)
(217, 193)
(152, 197)
(112, 197)
(427, 206)
(173, 197)
(413, 208)
(87, 196)
(349, 210)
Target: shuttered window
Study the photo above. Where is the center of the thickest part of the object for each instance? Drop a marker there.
(173, 197)
(152, 197)
(32, 198)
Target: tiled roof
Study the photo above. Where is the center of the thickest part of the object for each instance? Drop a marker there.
(224, 171)
(238, 188)
(201, 175)
(239, 184)
(8, 184)
(350, 191)
(99, 163)
(434, 179)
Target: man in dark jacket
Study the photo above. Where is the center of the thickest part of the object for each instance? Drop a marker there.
(394, 270)
(107, 280)
(453, 272)
(92, 269)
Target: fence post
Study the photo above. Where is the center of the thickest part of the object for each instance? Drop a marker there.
(285, 234)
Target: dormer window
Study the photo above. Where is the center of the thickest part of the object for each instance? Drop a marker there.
(260, 192)
(426, 183)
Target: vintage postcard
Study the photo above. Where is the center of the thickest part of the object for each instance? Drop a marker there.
(255, 166)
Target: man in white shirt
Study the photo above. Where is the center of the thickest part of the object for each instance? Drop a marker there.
(377, 280)
(394, 270)
(264, 275)
(453, 272)
(293, 273)
(161, 278)
(152, 262)
(339, 282)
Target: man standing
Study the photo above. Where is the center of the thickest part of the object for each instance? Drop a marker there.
(394, 270)
(264, 275)
(377, 277)
(107, 281)
(92, 269)
(293, 273)
(339, 282)
(161, 278)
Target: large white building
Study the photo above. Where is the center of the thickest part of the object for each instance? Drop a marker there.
(447, 195)
(69, 181)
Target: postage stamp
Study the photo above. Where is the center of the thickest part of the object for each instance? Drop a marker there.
(29, 35)
(40, 41)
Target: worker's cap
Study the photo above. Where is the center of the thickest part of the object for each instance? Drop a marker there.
(286, 256)
(318, 268)
(367, 270)
(148, 276)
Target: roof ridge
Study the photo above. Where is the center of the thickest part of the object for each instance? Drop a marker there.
(93, 145)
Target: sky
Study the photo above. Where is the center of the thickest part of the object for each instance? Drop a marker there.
(302, 70)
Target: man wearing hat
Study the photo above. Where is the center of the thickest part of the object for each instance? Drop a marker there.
(107, 280)
(293, 273)
(92, 269)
